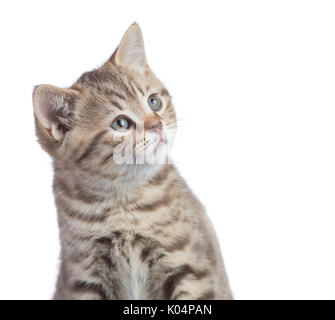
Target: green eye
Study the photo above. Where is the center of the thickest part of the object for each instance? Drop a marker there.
(121, 123)
(154, 103)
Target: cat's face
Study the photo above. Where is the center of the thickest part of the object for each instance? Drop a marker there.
(115, 120)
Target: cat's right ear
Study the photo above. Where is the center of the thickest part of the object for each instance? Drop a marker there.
(53, 108)
(130, 52)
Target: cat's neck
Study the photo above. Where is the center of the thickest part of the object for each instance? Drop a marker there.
(119, 186)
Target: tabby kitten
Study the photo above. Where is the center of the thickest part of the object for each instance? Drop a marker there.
(130, 227)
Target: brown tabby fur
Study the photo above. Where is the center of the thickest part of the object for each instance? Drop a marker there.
(129, 231)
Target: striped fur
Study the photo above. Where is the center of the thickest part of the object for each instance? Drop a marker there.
(129, 231)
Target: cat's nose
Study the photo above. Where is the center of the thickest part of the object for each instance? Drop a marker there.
(153, 123)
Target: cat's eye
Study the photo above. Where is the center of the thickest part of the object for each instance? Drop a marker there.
(121, 123)
(154, 103)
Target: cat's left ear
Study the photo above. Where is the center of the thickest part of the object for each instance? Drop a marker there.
(130, 52)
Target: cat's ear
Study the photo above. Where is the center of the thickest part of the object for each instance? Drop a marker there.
(53, 109)
(130, 52)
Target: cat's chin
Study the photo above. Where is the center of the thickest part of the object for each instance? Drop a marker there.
(147, 170)
(139, 174)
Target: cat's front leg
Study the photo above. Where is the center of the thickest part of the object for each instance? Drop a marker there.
(75, 285)
(89, 290)
(188, 283)
(82, 290)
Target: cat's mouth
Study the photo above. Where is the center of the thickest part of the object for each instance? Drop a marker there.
(161, 141)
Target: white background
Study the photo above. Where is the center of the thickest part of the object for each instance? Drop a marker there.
(253, 86)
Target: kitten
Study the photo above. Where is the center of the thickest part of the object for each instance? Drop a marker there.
(130, 227)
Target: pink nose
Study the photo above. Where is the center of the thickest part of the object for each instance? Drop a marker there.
(153, 123)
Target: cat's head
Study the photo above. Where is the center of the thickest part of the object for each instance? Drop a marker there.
(114, 118)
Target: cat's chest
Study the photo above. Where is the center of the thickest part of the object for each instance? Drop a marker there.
(125, 260)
